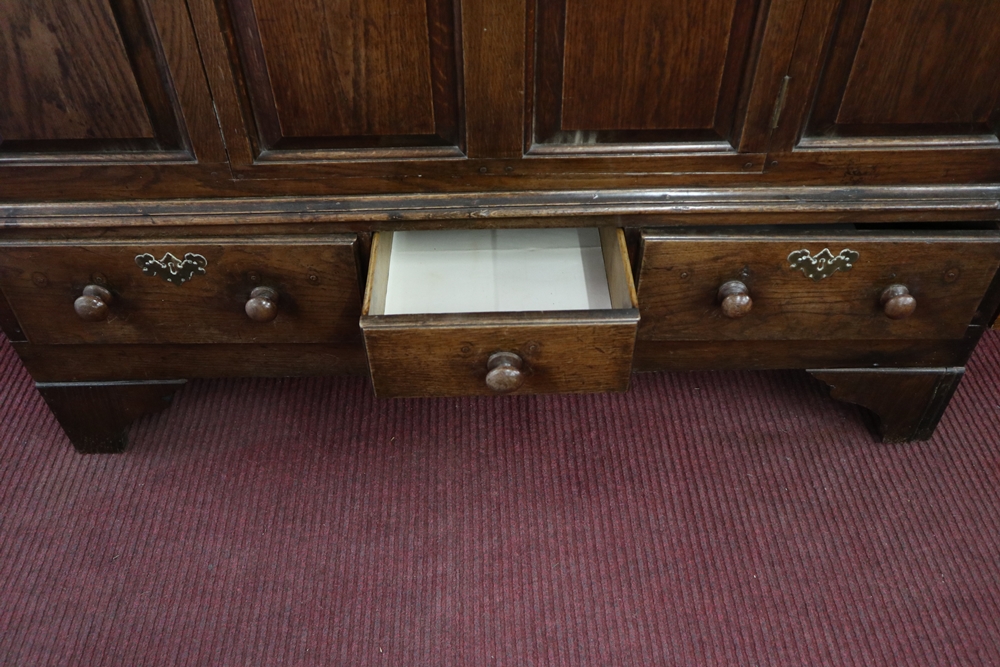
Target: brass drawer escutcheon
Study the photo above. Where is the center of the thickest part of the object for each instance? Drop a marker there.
(171, 269)
(824, 264)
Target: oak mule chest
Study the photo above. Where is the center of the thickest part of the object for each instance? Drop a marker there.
(496, 196)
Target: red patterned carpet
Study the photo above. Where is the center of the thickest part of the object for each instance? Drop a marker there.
(303, 522)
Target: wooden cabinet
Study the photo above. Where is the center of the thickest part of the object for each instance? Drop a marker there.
(288, 135)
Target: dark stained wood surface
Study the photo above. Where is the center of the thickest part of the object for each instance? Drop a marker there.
(898, 69)
(130, 71)
(54, 363)
(954, 206)
(316, 279)
(681, 274)
(65, 74)
(655, 76)
(96, 416)
(642, 66)
(480, 70)
(447, 355)
(493, 51)
(909, 403)
(8, 323)
(925, 61)
(78, 363)
(707, 355)
(346, 68)
(171, 54)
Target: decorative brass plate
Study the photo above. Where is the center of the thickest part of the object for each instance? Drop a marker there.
(824, 264)
(171, 269)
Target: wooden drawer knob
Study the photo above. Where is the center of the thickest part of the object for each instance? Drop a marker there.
(263, 304)
(736, 301)
(897, 302)
(504, 372)
(93, 305)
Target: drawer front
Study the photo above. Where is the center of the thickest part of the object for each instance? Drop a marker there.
(311, 291)
(444, 355)
(812, 286)
(451, 354)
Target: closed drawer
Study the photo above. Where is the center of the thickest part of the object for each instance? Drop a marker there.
(837, 285)
(452, 313)
(306, 291)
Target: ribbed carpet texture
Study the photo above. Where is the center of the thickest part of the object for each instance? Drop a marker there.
(699, 519)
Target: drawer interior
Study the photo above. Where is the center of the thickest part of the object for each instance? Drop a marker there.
(497, 271)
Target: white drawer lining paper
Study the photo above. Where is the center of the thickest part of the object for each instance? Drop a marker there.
(496, 270)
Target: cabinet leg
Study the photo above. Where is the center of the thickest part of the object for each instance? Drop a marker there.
(909, 402)
(96, 416)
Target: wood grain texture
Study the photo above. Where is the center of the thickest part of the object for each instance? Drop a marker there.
(681, 274)
(181, 154)
(644, 65)
(316, 279)
(94, 363)
(96, 416)
(493, 48)
(176, 66)
(8, 322)
(708, 355)
(650, 77)
(653, 207)
(925, 61)
(908, 403)
(347, 68)
(65, 74)
(884, 71)
(779, 33)
(377, 281)
(446, 355)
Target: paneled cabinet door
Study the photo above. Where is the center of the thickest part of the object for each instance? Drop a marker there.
(657, 76)
(103, 98)
(374, 95)
(895, 90)
(317, 82)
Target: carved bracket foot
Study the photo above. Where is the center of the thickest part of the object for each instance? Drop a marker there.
(96, 416)
(909, 402)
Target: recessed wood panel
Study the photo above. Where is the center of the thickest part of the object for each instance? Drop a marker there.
(325, 74)
(348, 68)
(644, 65)
(657, 72)
(65, 74)
(910, 68)
(926, 61)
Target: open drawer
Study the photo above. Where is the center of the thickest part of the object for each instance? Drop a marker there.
(458, 312)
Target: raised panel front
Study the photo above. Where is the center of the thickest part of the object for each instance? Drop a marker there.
(81, 80)
(642, 74)
(104, 99)
(65, 75)
(916, 69)
(367, 76)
